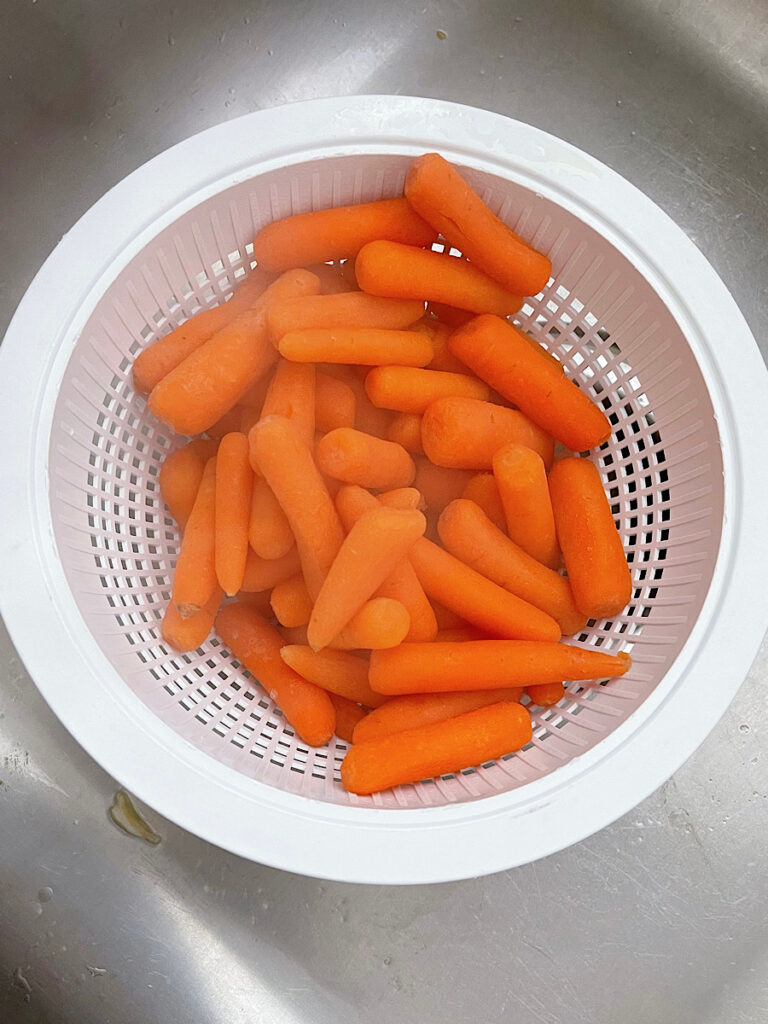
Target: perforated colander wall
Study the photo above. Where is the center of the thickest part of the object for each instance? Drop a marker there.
(662, 469)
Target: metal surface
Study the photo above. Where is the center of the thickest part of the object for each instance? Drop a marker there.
(659, 918)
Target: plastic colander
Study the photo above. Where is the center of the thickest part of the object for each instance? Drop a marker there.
(640, 320)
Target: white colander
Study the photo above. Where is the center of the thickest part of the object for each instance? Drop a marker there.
(640, 320)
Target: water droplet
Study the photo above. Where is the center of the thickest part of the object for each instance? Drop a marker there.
(171, 40)
(744, 727)
(633, 133)
(270, 52)
(387, 961)
(246, 20)
(440, 34)
(45, 894)
(231, 90)
(618, 103)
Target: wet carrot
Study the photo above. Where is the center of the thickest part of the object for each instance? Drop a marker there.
(348, 714)
(405, 429)
(256, 645)
(291, 602)
(522, 481)
(334, 403)
(351, 309)
(381, 623)
(339, 672)
(501, 354)
(266, 573)
(234, 483)
(195, 578)
(358, 458)
(189, 634)
(592, 550)
(415, 710)
(292, 394)
(411, 389)
(401, 497)
(269, 532)
(180, 476)
(405, 272)
(482, 489)
(545, 694)
(363, 346)
(337, 234)
(436, 749)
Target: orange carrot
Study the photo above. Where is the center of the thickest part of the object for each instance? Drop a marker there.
(502, 355)
(180, 476)
(484, 664)
(480, 601)
(410, 389)
(339, 672)
(436, 749)
(255, 395)
(352, 309)
(443, 359)
(194, 395)
(189, 634)
(358, 458)
(258, 600)
(289, 469)
(460, 634)
(381, 623)
(234, 482)
(405, 429)
(226, 424)
(364, 346)
(405, 272)
(468, 534)
(437, 484)
(594, 557)
(256, 645)
(195, 578)
(269, 532)
(164, 355)
(348, 714)
(545, 694)
(291, 602)
(334, 403)
(464, 433)
(482, 489)
(415, 710)
(437, 191)
(451, 316)
(522, 481)
(377, 542)
(401, 497)
(292, 394)
(294, 635)
(337, 234)
(368, 418)
(447, 619)
(266, 573)
(332, 281)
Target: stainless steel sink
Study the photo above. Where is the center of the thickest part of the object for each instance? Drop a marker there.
(659, 919)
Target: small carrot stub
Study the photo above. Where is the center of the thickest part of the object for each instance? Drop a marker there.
(266, 573)
(291, 602)
(391, 269)
(436, 749)
(380, 624)
(522, 481)
(377, 542)
(411, 389)
(291, 394)
(419, 709)
(501, 354)
(189, 634)
(234, 483)
(338, 672)
(401, 497)
(334, 404)
(257, 646)
(269, 532)
(545, 694)
(337, 234)
(180, 476)
(469, 534)
(482, 489)
(437, 191)
(464, 433)
(405, 429)
(476, 598)
(484, 664)
(352, 309)
(358, 458)
(362, 346)
(348, 714)
(195, 578)
(594, 557)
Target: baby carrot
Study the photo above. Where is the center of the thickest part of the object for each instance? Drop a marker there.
(451, 316)
(337, 234)
(410, 389)
(405, 272)
(437, 484)
(460, 634)
(545, 694)
(164, 355)
(194, 395)
(363, 346)
(289, 468)
(381, 623)
(482, 489)
(292, 394)
(334, 403)
(436, 749)
(291, 602)
(447, 619)
(180, 476)
(348, 714)
(256, 645)
(258, 600)
(358, 458)
(405, 429)
(226, 424)
(484, 664)
(339, 672)
(294, 635)
(443, 359)
(368, 418)
(195, 578)
(269, 532)
(437, 191)
(401, 497)
(464, 433)
(414, 710)
(352, 309)
(377, 542)
(189, 634)
(522, 481)
(234, 483)
(332, 281)
(502, 355)
(266, 573)
(469, 534)
(594, 557)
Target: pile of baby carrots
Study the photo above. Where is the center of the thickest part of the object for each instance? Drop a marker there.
(373, 519)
